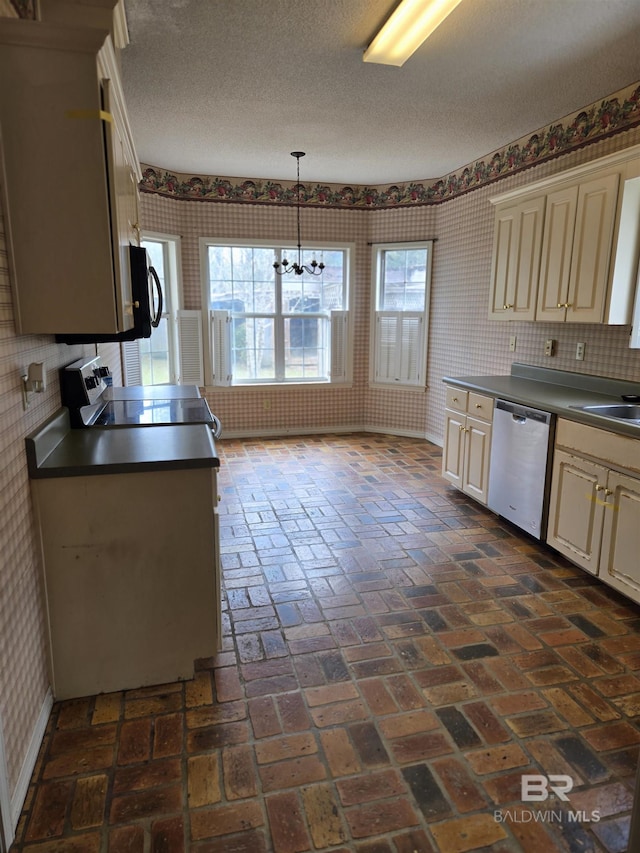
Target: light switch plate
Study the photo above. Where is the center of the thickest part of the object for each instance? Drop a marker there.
(550, 347)
(512, 343)
(580, 351)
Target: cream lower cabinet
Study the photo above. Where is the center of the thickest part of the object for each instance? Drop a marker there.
(594, 514)
(576, 511)
(467, 442)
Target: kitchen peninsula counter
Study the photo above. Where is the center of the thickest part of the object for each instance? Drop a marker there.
(130, 552)
(56, 450)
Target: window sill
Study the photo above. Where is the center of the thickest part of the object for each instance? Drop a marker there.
(387, 386)
(282, 386)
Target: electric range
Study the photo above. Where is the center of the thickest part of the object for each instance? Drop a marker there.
(93, 402)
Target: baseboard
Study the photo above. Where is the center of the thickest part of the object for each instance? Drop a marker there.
(435, 439)
(404, 433)
(281, 432)
(26, 771)
(6, 819)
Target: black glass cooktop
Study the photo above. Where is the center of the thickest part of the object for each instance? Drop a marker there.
(154, 413)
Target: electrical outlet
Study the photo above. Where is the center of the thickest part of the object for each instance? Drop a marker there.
(512, 343)
(266, 405)
(550, 347)
(580, 351)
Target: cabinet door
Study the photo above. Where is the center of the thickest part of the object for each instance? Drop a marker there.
(555, 266)
(620, 560)
(477, 452)
(453, 452)
(516, 260)
(119, 181)
(576, 509)
(591, 253)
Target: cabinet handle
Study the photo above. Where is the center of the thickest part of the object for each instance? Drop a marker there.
(136, 227)
(478, 405)
(567, 305)
(506, 307)
(608, 492)
(599, 488)
(461, 428)
(560, 305)
(455, 399)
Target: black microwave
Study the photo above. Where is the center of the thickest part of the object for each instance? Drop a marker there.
(146, 297)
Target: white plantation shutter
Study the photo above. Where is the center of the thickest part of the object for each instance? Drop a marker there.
(191, 369)
(409, 369)
(399, 347)
(131, 363)
(221, 347)
(339, 342)
(385, 357)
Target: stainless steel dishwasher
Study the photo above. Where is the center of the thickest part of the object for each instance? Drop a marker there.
(520, 465)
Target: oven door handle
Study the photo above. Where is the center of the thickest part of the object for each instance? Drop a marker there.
(155, 320)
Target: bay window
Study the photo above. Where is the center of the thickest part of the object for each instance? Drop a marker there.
(268, 328)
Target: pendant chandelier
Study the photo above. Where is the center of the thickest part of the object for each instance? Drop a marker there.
(314, 268)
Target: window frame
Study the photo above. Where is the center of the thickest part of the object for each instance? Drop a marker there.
(377, 252)
(348, 249)
(172, 295)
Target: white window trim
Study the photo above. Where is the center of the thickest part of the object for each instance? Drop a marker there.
(346, 381)
(376, 250)
(130, 351)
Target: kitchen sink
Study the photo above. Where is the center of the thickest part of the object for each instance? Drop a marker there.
(623, 411)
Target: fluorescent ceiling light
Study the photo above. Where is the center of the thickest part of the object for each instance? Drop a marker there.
(411, 23)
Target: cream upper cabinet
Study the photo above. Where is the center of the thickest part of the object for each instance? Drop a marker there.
(594, 512)
(566, 248)
(70, 178)
(467, 445)
(516, 259)
(576, 251)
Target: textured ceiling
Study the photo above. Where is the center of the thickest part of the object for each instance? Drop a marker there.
(231, 87)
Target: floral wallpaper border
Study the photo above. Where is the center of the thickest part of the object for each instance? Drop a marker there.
(620, 111)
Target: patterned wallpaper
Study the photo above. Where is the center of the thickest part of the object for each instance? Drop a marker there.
(462, 342)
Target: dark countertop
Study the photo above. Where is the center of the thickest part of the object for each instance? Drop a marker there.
(55, 450)
(556, 391)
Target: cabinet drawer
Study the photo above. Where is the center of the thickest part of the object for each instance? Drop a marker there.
(457, 399)
(480, 406)
(617, 451)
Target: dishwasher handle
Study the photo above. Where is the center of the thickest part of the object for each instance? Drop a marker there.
(521, 414)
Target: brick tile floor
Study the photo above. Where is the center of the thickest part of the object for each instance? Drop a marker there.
(395, 658)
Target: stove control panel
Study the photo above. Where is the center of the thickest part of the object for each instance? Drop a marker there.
(83, 382)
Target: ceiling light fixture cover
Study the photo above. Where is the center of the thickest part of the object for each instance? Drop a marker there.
(410, 24)
(314, 268)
